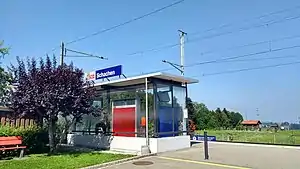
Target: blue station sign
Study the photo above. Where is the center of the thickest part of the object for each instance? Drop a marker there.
(108, 72)
(201, 138)
(105, 73)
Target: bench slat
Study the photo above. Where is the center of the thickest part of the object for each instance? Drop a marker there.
(10, 138)
(12, 148)
(10, 142)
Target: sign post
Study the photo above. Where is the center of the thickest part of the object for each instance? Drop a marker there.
(205, 146)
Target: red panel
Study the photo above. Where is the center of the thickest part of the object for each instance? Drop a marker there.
(124, 121)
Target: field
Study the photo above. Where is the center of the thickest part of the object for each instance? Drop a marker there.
(291, 137)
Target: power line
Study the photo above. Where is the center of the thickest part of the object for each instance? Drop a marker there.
(260, 59)
(227, 59)
(248, 69)
(215, 35)
(248, 19)
(121, 24)
(241, 56)
(246, 28)
(125, 23)
(252, 44)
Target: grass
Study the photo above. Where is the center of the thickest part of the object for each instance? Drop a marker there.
(291, 137)
(66, 161)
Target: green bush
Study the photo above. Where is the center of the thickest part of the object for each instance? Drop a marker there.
(33, 137)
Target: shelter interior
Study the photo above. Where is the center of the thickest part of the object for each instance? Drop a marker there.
(121, 107)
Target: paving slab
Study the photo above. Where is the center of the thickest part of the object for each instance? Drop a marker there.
(244, 156)
(159, 163)
(222, 156)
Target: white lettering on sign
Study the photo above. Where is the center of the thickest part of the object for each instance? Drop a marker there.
(108, 73)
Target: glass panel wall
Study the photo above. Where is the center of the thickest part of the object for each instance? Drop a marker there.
(165, 115)
(179, 97)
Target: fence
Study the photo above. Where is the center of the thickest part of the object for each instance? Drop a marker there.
(21, 122)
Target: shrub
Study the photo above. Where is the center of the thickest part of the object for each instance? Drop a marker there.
(33, 137)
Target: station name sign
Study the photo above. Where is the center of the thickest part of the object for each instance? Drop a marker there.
(201, 138)
(105, 73)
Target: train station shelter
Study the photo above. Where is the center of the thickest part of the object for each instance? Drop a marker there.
(141, 113)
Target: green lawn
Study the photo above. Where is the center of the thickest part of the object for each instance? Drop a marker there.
(281, 137)
(65, 161)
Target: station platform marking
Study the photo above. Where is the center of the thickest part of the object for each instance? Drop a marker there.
(203, 163)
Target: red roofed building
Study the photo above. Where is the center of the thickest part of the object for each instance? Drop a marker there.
(251, 124)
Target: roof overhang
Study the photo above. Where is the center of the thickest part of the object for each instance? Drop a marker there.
(137, 80)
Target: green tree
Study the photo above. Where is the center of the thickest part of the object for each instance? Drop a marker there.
(212, 122)
(225, 119)
(5, 80)
(237, 118)
(3, 50)
(191, 109)
(201, 116)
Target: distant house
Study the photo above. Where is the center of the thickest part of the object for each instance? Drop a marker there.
(252, 124)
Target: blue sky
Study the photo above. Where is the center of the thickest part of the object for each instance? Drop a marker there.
(32, 28)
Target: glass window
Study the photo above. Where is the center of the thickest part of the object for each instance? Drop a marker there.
(179, 96)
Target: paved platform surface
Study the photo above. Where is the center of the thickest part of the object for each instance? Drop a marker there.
(222, 156)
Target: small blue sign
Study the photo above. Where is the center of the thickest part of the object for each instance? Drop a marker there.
(201, 138)
(108, 72)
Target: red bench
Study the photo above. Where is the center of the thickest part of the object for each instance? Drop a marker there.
(12, 143)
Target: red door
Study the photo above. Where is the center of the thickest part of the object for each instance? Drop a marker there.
(124, 121)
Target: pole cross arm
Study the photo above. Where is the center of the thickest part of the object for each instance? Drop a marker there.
(176, 66)
(83, 53)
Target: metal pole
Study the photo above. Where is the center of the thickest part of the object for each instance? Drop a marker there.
(62, 53)
(147, 126)
(205, 146)
(184, 120)
(182, 51)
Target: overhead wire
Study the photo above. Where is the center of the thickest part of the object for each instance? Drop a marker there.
(259, 59)
(248, 69)
(242, 56)
(248, 19)
(252, 44)
(246, 28)
(224, 59)
(123, 23)
(215, 35)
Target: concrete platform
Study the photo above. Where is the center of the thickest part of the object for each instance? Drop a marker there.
(223, 156)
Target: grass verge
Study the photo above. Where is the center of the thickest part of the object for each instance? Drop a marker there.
(267, 137)
(66, 161)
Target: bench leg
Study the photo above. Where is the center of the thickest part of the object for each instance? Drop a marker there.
(21, 153)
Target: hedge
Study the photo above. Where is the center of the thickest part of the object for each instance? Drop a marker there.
(34, 137)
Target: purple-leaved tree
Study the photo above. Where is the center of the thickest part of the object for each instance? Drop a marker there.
(46, 91)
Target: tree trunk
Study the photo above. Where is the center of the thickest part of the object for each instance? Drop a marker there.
(51, 132)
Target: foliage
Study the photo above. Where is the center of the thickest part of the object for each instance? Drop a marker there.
(34, 138)
(208, 119)
(48, 90)
(66, 161)
(3, 50)
(191, 109)
(5, 80)
(5, 87)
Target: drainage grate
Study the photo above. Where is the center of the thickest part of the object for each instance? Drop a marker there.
(142, 163)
